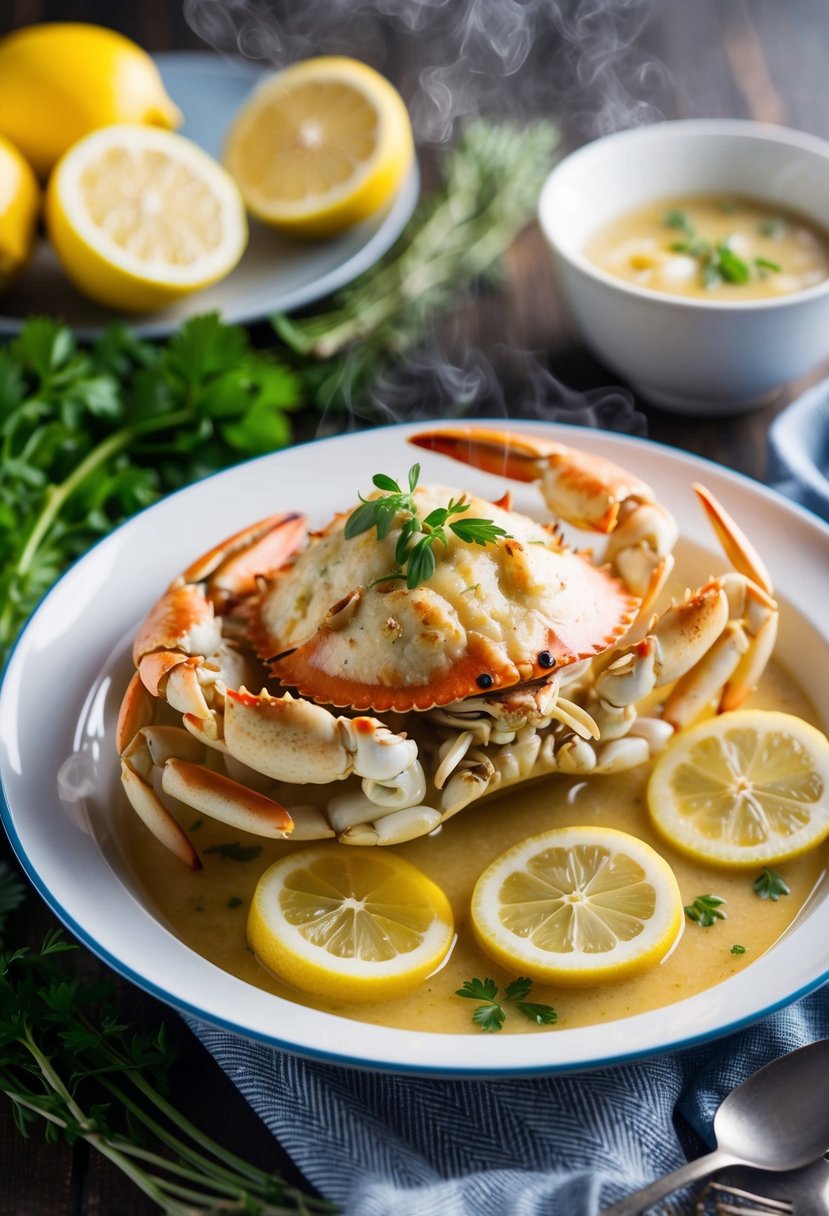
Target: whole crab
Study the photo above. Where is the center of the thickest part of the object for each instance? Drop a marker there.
(516, 657)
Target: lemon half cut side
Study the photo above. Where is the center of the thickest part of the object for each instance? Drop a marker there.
(581, 905)
(747, 788)
(140, 216)
(349, 925)
(320, 146)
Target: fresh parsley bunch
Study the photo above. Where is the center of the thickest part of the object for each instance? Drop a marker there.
(89, 437)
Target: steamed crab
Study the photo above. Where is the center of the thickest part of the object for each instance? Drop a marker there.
(384, 708)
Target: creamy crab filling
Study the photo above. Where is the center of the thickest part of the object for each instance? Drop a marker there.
(506, 598)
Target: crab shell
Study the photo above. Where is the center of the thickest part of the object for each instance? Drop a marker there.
(336, 628)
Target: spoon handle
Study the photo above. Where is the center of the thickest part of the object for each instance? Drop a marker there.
(700, 1167)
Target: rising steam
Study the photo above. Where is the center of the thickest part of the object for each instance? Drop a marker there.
(579, 62)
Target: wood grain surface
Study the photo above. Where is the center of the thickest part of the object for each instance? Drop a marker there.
(708, 58)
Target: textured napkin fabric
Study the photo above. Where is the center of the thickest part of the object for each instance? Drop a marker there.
(384, 1145)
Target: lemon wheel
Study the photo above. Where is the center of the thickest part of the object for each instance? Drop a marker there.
(320, 146)
(746, 788)
(581, 905)
(348, 924)
(140, 217)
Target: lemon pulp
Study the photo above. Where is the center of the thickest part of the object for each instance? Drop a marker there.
(140, 216)
(320, 146)
(579, 905)
(745, 788)
(348, 924)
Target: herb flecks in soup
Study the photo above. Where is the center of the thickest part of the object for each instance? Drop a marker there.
(712, 248)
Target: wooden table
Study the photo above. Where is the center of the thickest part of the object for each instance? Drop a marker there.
(738, 58)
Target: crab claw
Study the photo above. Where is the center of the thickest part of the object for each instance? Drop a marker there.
(586, 490)
(737, 547)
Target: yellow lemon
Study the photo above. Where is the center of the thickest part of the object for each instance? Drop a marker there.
(350, 924)
(580, 905)
(320, 146)
(19, 207)
(60, 81)
(140, 216)
(746, 788)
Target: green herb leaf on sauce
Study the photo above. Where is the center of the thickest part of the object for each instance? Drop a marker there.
(770, 885)
(775, 227)
(736, 949)
(706, 910)
(491, 1015)
(235, 851)
(766, 264)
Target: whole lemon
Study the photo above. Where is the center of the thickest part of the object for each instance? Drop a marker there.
(19, 208)
(58, 82)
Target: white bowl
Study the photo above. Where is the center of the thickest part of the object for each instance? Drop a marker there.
(694, 355)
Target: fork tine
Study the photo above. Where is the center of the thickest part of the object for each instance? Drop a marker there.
(726, 1200)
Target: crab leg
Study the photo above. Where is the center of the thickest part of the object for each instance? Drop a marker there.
(587, 491)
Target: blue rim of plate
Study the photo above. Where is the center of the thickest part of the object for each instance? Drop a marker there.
(184, 1007)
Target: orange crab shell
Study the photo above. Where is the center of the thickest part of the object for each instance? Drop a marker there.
(332, 628)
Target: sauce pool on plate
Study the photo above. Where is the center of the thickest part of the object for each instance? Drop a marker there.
(712, 248)
(208, 909)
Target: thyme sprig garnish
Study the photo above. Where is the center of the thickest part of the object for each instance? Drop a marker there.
(491, 1014)
(417, 556)
(71, 1064)
(718, 262)
(706, 910)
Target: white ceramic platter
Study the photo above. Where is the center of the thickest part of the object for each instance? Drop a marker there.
(276, 274)
(58, 701)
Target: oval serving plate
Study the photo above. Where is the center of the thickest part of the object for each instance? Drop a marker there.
(276, 274)
(53, 709)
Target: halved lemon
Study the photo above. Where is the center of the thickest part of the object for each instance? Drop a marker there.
(320, 146)
(349, 924)
(746, 788)
(140, 216)
(580, 905)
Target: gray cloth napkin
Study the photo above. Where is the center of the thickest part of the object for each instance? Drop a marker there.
(384, 1145)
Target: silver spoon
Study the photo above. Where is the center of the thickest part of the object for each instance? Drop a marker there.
(776, 1120)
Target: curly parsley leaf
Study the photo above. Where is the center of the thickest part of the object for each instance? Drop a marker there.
(706, 910)
(770, 885)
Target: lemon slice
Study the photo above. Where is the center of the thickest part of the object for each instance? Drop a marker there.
(347, 924)
(744, 788)
(140, 216)
(579, 905)
(320, 146)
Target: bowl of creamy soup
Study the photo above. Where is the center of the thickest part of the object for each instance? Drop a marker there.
(694, 257)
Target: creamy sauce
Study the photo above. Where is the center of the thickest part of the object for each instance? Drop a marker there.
(713, 248)
(207, 910)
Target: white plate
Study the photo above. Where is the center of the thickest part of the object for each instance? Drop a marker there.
(276, 274)
(52, 707)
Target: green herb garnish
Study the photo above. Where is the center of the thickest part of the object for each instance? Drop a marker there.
(770, 885)
(416, 555)
(774, 227)
(738, 949)
(70, 1063)
(705, 910)
(491, 1015)
(235, 851)
(235, 902)
(680, 220)
(766, 264)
